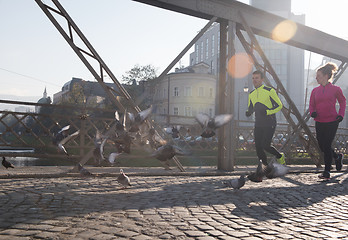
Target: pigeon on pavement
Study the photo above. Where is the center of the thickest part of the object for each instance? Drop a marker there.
(123, 179)
(275, 169)
(6, 163)
(236, 183)
(258, 175)
(210, 124)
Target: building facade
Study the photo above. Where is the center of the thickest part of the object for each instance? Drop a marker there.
(78, 90)
(179, 96)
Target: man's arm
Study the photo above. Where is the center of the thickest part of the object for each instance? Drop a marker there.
(250, 107)
(278, 104)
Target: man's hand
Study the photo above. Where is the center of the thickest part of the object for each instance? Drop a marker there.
(314, 114)
(339, 118)
(248, 114)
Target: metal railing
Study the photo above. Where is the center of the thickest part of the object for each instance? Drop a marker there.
(33, 132)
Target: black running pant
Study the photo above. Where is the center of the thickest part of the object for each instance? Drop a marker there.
(263, 138)
(325, 135)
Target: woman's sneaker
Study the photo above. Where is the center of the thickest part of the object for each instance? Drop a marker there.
(325, 175)
(339, 162)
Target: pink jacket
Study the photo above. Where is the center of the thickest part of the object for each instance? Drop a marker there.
(323, 101)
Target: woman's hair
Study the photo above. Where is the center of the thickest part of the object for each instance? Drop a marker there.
(328, 69)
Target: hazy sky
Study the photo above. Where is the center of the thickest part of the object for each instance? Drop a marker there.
(33, 54)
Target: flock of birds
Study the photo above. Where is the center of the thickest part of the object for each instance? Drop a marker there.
(132, 129)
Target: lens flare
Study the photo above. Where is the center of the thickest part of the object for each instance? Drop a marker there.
(240, 65)
(284, 31)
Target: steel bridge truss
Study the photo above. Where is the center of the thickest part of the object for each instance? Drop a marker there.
(87, 53)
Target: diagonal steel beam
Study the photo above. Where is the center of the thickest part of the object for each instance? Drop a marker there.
(184, 51)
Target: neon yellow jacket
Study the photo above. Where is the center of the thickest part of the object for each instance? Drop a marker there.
(265, 102)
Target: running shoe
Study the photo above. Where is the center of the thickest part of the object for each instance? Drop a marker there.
(281, 160)
(325, 175)
(339, 162)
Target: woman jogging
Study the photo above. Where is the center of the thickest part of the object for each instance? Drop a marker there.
(322, 107)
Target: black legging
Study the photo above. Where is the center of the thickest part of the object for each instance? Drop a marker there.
(325, 135)
(263, 138)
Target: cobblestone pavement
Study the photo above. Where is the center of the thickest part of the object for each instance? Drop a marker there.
(298, 206)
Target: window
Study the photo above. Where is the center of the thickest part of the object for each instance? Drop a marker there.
(188, 92)
(202, 51)
(164, 93)
(200, 92)
(188, 111)
(176, 92)
(210, 92)
(197, 53)
(218, 51)
(210, 112)
(207, 49)
(212, 45)
(176, 111)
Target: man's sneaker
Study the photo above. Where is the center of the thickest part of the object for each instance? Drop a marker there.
(325, 175)
(281, 160)
(339, 162)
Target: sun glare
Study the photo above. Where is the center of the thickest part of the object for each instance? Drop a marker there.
(240, 65)
(284, 31)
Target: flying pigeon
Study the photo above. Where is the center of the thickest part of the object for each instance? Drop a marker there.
(63, 137)
(123, 179)
(236, 183)
(167, 152)
(275, 169)
(83, 171)
(98, 151)
(6, 164)
(137, 119)
(210, 124)
(121, 138)
(259, 174)
(154, 140)
(113, 156)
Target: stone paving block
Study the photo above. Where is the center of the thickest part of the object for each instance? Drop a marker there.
(215, 233)
(238, 234)
(206, 238)
(285, 236)
(47, 235)
(204, 227)
(5, 237)
(228, 238)
(252, 238)
(195, 233)
(333, 234)
(102, 236)
(141, 237)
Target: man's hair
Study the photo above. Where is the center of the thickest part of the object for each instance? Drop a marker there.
(259, 72)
